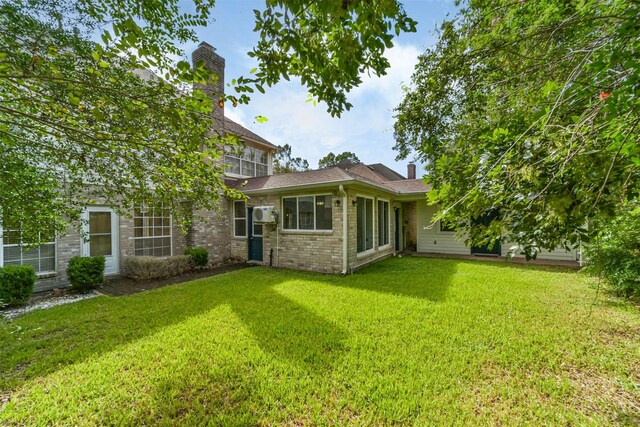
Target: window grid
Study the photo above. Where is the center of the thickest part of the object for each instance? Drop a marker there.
(364, 224)
(42, 258)
(251, 162)
(383, 223)
(152, 232)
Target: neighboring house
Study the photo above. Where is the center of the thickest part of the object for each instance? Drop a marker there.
(330, 220)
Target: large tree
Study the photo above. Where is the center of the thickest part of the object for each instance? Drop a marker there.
(284, 162)
(529, 109)
(331, 159)
(78, 124)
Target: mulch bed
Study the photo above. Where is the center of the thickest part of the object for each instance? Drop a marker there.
(119, 286)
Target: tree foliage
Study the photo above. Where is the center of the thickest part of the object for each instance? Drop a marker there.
(79, 125)
(530, 108)
(333, 159)
(284, 162)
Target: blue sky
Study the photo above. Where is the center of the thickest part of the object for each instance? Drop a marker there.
(367, 129)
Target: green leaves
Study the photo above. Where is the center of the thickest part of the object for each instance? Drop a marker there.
(530, 108)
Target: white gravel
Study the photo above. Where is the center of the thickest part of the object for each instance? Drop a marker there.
(45, 303)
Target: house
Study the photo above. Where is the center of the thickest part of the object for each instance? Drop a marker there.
(332, 220)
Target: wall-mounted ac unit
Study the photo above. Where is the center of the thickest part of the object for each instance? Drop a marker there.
(264, 214)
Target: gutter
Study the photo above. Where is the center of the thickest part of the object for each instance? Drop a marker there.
(345, 254)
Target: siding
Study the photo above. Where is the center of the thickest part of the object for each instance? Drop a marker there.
(432, 240)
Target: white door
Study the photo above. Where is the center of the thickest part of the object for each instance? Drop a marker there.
(101, 231)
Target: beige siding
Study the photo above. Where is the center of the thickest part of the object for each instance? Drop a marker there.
(432, 240)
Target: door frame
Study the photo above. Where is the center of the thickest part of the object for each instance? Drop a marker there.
(115, 235)
(251, 237)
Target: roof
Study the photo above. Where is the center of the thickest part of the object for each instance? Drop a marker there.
(232, 127)
(334, 175)
(386, 172)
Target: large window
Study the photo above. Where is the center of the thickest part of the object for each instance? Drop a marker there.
(239, 219)
(383, 223)
(307, 213)
(15, 252)
(152, 231)
(364, 223)
(251, 162)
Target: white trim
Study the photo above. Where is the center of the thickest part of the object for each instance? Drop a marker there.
(170, 235)
(46, 273)
(313, 230)
(246, 214)
(373, 231)
(115, 235)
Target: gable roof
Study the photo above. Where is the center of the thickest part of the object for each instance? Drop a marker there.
(242, 132)
(323, 177)
(386, 172)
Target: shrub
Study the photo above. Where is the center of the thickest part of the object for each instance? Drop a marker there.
(16, 284)
(144, 268)
(200, 256)
(615, 255)
(85, 272)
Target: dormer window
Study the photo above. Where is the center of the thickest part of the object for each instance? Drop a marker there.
(249, 162)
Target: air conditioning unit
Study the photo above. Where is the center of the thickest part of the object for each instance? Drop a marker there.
(264, 214)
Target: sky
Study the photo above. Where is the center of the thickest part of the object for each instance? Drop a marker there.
(366, 130)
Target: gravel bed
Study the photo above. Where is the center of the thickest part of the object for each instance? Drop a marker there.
(52, 301)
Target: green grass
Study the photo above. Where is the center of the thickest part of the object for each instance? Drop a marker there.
(405, 341)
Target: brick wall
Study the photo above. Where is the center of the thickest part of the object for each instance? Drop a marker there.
(212, 230)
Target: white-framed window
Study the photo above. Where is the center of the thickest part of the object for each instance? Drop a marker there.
(152, 231)
(364, 223)
(249, 161)
(384, 228)
(16, 252)
(239, 218)
(307, 212)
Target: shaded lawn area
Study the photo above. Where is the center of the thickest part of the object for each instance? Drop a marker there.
(405, 341)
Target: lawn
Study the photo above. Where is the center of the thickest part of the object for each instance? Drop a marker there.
(405, 341)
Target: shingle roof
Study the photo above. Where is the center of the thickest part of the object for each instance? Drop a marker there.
(333, 175)
(386, 172)
(232, 127)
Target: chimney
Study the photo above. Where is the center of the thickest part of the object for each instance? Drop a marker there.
(411, 171)
(214, 62)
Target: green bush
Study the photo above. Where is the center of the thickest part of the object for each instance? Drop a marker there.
(200, 256)
(145, 268)
(615, 255)
(85, 272)
(16, 284)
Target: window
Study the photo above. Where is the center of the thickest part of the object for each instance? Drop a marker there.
(152, 232)
(364, 223)
(239, 218)
(15, 252)
(446, 227)
(307, 213)
(250, 162)
(383, 223)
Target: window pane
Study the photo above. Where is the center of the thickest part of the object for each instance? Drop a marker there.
(248, 168)
(305, 213)
(360, 221)
(12, 254)
(100, 245)
(239, 210)
(369, 224)
(261, 170)
(99, 222)
(11, 237)
(383, 223)
(261, 156)
(257, 229)
(47, 264)
(233, 164)
(323, 212)
(290, 217)
(249, 153)
(241, 227)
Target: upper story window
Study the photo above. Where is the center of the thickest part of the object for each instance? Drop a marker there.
(14, 251)
(307, 213)
(252, 162)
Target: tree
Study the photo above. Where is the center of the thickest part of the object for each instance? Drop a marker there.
(78, 125)
(529, 109)
(332, 159)
(284, 162)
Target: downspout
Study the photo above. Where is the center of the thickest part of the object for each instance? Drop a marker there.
(345, 254)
